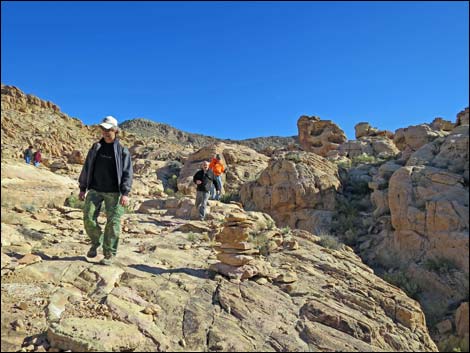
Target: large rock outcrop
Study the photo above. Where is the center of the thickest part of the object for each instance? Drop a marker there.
(410, 139)
(422, 218)
(319, 136)
(242, 163)
(298, 189)
(28, 187)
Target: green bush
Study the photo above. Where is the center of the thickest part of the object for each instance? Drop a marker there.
(434, 313)
(192, 237)
(327, 240)
(346, 221)
(363, 159)
(173, 182)
(227, 198)
(344, 164)
(170, 192)
(453, 344)
(260, 242)
(74, 202)
(440, 265)
(294, 157)
(270, 224)
(401, 280)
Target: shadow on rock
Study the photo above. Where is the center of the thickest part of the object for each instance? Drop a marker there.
(200, 273)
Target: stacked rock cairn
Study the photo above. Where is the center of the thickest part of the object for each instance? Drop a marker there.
(234, 251)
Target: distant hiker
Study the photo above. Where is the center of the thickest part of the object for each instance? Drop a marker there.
(37, 158)
(204, 179)
(28, 154)
(107, 176)
(217, 168)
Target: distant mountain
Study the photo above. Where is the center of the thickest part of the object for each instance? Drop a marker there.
(262, 143)
(150, 129)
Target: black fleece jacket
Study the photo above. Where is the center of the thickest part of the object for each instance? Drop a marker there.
(207, 179)
(123, 167)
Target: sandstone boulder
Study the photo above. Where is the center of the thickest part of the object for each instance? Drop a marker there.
(298, 189)
(319, 136)
(242, 163)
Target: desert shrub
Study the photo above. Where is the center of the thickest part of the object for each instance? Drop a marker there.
(440, 265)
(227, 198)
(346, 222)
(170, 192)
(270, 224)
(330, 242)
(294, 157)
(387, 259)
(173, 182)
(285, 230)
(360, 187)
(192, 237)
(453, 344)
(30, 208)
(345, 164)
(74, 202)
(260, 242)
(327, 240)
(401, 280)
(434, 313)
(364, 159)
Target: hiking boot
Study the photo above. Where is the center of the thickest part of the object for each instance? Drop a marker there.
(107, 260)
(92, 252)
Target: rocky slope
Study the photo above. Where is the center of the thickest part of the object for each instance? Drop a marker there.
(161, 296)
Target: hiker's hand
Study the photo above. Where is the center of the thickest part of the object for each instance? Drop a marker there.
(198, 182)
(81, 195)
(124, 200)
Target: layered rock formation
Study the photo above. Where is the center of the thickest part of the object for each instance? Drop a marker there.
(234, 251)
(410, 139)
(370, 141)
(298, 189)
(160, 296)
(242, 163)
(421, 206)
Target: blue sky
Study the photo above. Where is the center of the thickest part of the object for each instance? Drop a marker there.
(242, 69)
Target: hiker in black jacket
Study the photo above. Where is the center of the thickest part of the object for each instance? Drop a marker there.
(204, 179)
(107, 176)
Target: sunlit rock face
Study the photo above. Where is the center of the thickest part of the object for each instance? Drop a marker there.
(319, 136)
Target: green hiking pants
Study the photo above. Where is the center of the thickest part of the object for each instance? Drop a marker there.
(109, 239)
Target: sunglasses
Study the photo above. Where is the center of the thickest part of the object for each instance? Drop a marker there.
(107, 130)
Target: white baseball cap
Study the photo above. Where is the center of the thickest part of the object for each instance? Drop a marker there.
(109, 122)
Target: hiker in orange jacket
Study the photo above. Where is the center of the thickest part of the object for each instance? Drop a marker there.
(217, 168)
